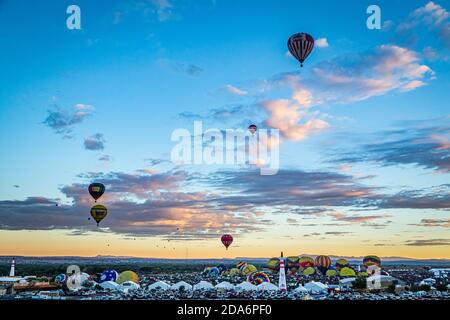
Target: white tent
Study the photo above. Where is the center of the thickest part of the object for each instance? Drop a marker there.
(159, 285)
(177, 286)
(109, 285)
(301, 289)
(128, 286)
(316, 287)
(246, 286)
(225, 285)
(267, 286)
(203, 285)
(382, 281)
(346, 283)
(84, 277)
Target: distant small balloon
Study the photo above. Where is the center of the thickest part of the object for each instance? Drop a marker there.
(226, 239)
(252, 128)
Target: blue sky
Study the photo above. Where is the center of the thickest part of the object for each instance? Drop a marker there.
(98, 103)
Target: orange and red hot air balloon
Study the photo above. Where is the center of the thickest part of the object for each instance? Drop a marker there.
(226, 239)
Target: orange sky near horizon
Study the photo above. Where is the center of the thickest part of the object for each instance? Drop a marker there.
(58, 243)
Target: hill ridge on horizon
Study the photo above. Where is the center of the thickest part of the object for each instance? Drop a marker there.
(386, 258)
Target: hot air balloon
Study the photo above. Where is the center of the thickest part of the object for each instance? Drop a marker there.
(98, 212)
(206, 271)
(306, 262)
(258, 278)
(61, 278)
(247, 269)
(292, 264)
(214, 272)
(226, 239)
(109, 275)
(341, 263)
(362, 274)
(331, 272)
(240, 264)
(96, 190)
(128, 276)
(322, 263)
(234, 272)
(273, 264)
(347, 272)
(252, 128)
(371, 260)
(300, 46)
(222, 268)
(309, 271)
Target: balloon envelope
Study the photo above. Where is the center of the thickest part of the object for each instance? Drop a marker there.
(61, 278)
(214, 272)
(98, 212)
(226, 239)
(234, 272)
(347, 272)
(258, 278)
(322, 263)
(309, 271)
(96, 190)
(222, 268)
(252, 128)
(292, 264)
(331, 272)
(300, 46)
(249, 268)
(306, 262)
(371, 260)
(341, 263)
(109, 275)
(273, 264)
(128, 276)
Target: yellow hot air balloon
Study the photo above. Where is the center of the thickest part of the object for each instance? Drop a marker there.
(273, 264)
(362, 274)
(309, 271)
(234, 272)
(98, 212)
(331, 272)
(128, 276)
(249, 268)
(347, 272)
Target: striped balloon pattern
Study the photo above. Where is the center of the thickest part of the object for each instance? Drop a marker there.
(258, 278)
(322, 263)
(300, 46)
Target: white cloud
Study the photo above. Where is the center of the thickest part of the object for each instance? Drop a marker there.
(322, 43)
(360, 76)
(292, 118)
(235, 91)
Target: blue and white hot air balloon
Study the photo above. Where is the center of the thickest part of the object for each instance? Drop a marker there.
(109, 275)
